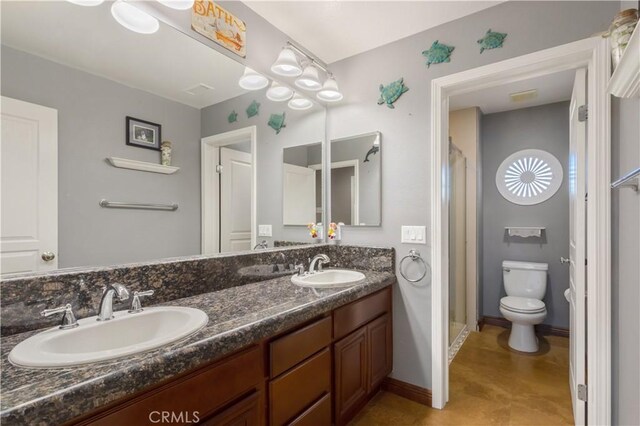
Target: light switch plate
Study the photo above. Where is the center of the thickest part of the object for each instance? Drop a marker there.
(264, 231)
(414, 234)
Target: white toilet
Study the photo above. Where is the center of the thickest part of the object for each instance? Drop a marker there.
(525, 284)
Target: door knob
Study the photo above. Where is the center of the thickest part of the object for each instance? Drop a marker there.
(564, 260)
(48, 256)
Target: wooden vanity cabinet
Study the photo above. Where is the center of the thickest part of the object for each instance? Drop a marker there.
(364, 357)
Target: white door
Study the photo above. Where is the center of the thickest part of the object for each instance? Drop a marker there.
(29, 224)
(298, 195)
(235, 200)
(577, 245)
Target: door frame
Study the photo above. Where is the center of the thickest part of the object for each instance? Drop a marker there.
(593, 54)
(355, 202)
(210, 219)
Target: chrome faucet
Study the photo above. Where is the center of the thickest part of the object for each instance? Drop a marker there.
(320, 259)
(105, 312)
(261, 245)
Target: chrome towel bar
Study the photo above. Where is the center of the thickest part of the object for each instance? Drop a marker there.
(622, 182)
(414, 255)
(143, 206)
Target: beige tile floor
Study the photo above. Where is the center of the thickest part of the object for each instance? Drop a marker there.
(490, 385)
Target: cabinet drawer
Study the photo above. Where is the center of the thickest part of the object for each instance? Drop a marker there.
(243, 413)
(290, 350)
(354, 315)
(199, 391)
(293, 392)
(319, 414)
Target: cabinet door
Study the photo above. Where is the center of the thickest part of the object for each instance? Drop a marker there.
(380, 349)
(351, 369)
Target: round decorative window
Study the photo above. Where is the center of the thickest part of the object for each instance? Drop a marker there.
(529, 177)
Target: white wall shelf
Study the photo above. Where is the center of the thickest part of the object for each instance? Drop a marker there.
(525, 231)
(625, 81)
(144, 166)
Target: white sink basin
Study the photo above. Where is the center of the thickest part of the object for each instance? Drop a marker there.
(94, 341)
(329, 278)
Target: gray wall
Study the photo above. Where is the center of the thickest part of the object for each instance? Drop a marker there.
(531, 26)
(91, 127)
(302, 128)
(544, 127)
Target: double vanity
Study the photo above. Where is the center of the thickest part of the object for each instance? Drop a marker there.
(309, 348)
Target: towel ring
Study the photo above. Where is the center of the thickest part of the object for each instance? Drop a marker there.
(414, 255)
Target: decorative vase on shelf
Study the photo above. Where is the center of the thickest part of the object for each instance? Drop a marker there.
(165, 149)
(620, 32)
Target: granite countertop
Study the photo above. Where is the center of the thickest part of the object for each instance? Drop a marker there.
(238, 317)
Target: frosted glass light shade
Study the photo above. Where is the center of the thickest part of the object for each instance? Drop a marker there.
(300, 103)
(178, 4)
(309, 80)
(252, 80)
(529, 177)
(279, 93)
(287, 64)
(133, 18)
(330, 91)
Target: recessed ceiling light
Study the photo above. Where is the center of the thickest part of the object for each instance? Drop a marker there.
(252, 80)
(279, 93)
(178, 4)
(330, 91)
(133, 18)
(309, 79)
(287, 64)
(300, 103)
(526, 95)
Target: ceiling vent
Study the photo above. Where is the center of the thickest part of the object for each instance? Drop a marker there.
(527, 95)
(199, 89)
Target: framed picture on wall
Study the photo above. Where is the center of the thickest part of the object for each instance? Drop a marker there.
(143, 134)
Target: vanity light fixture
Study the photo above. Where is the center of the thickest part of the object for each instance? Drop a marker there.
(252, 80)
(299, 103)
(178, 4)
(287, 64)
(86, 2)
(330, 91)
(309, 79)
(133, 18)
(279, 93)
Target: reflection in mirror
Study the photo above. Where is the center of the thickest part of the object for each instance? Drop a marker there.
(71, 76)
(302, 184)
(356, 180)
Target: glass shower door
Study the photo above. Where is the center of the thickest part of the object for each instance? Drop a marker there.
(457, 243)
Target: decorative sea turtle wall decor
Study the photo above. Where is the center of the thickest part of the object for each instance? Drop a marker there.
(253, 109)
(391, 92)
(276, 122)
(491, 40)
(438, 53)
(233, 117)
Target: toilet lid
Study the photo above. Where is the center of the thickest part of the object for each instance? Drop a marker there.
(522, 304)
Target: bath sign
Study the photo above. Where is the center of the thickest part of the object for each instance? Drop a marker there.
(219, 25)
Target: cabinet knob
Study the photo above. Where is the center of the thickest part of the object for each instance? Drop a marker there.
(48, 256)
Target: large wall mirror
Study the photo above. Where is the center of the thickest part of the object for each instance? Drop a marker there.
(71, 75)
(356, 180)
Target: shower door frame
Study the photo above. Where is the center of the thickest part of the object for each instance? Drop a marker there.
(593, 54)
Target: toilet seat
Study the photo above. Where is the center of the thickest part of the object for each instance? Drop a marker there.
(522, 305)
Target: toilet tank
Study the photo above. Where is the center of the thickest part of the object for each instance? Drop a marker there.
(525, 279)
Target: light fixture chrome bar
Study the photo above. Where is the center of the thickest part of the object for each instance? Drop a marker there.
(622, 182)
(317, 62)
(142, 206)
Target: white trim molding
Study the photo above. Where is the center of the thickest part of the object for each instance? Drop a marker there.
(210, 189)
(593, 54)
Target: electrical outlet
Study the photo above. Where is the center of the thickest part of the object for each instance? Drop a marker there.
(264, 231)
(414, 234)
